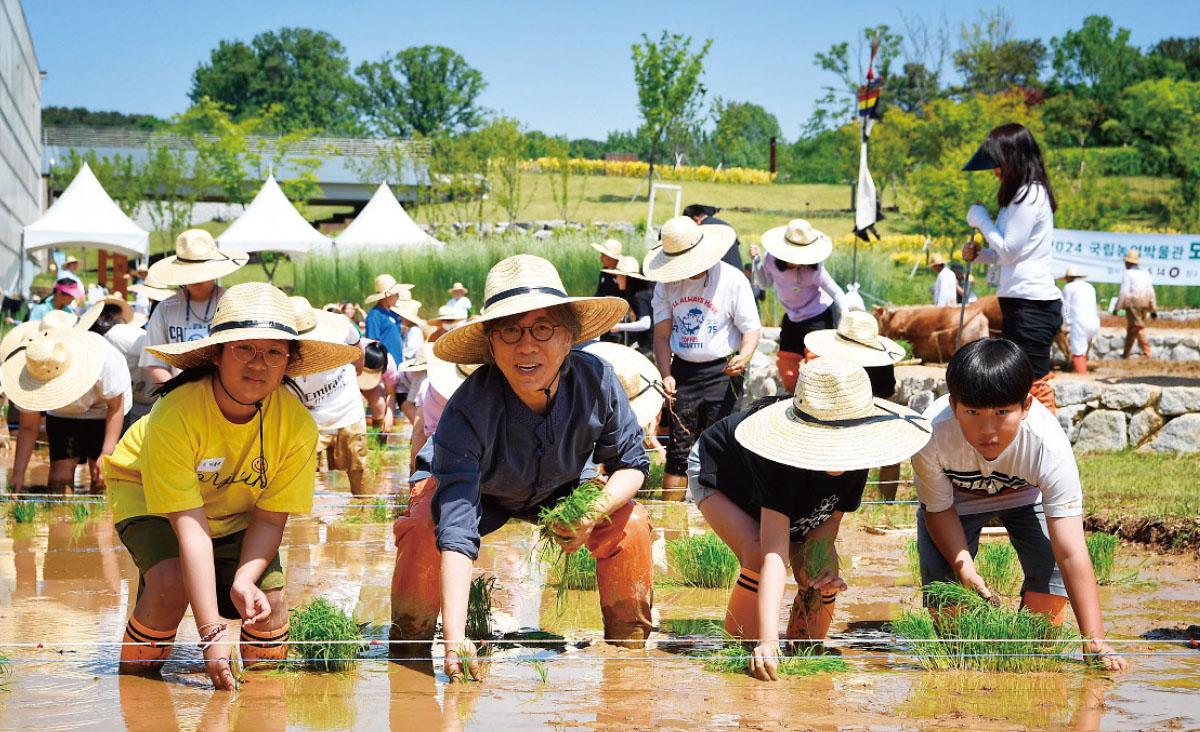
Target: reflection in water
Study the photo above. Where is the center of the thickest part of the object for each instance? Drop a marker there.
(1037, 701)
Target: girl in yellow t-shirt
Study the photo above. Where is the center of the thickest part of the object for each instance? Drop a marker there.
(201, 487)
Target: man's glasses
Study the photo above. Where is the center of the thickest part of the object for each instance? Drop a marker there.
(272, 357)
(540, 331)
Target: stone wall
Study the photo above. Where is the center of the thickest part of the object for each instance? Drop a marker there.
(1182, 346)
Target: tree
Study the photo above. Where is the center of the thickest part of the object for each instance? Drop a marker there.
(840, 103)
(559, 152)
(992, 61)
(304, 73)
(118, 174)
(81, 117)
(505, 140)
(424, 89)
(667, 74)
(744, 132)
(925, 49)
(171, 188)
(1178, 58)
(1161, 118)
(1096, 63)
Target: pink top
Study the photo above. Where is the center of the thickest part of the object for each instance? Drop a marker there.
(432, 403)
(804, 292)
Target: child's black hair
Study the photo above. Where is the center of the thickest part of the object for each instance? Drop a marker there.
(692, 210)
(375, 356)
(989, 373)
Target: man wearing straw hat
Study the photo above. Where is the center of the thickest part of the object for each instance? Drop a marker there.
(383, 324)
(945, 287)
(447, 318)
(610, 255)
(82, 384)
(521, 432)
(459, 300)
(1137, 299)
(1080, 316)
(202, 488)
(195, 269)
(706, 328)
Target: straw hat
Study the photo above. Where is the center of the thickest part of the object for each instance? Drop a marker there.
(447, 314)
(610, 248)
(686, 249)
(445, 376)
(410, 310)
(936, 259)
(152, 289)
(22, 332)
(1132, 256)
(457, 287)
(56, 367)
(197, 259)
(418, 363)
(69, 261)
(139, 320)
(385, 286)
(250, 311)
(856, 339)
(1072, 271)
(318, 325)
(637, 374)
(833, 423)
(797, 243)
(92, 314)
(627, 266)
(517, 285)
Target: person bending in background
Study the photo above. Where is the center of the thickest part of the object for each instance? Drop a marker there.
(1137, 298)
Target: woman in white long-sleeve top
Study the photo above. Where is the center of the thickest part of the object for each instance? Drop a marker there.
(1019, 244)
(1080, 315)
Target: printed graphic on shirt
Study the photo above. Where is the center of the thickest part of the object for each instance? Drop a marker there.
(820, 515)
(978, 484)
(693, 326)
(190, 331)
(318, 396)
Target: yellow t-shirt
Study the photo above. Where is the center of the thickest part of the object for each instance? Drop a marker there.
(185, 454)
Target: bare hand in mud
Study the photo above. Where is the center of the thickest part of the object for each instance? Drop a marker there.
(251, 602)
(737, 365)
(668, 383)
(218, 666)
(764, 662)
(454, 662)
(570, 537)
(1106, 655)
(97, 476)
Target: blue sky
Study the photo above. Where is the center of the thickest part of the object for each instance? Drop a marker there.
(561, 67)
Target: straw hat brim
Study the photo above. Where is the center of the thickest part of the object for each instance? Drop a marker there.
(18, 335)
(330, 327)
(169, 271)
(829, 343)
(774, 241)
(395, 289)
(92, 314)
(647, 405)
(154, 293)
(369, 379)
(468, 342)
(81, 375)
(627, 274)
(444, 376)
(315, 356)
(412, 316)
(771, 433)
(600, 248)
(661, 267)
(414, 365)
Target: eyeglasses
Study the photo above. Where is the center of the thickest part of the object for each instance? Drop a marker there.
(511, 334)
(272, 357)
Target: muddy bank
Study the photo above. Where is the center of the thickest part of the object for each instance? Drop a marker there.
(1171, 535)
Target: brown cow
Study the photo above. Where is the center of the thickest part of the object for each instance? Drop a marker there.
(932, 330)
(990, 307)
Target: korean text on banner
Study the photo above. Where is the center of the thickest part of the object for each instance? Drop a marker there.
(1171, 259)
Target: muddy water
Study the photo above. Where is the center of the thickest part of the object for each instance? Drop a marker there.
(65, 583)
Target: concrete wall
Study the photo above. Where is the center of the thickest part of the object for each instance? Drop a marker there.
(20, 138)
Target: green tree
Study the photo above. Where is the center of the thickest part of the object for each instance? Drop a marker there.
(991, 60)
(840, 103)
(1161, 118)
(1096, 63)
(424, 89)
(558, 150)
(667, 74)
(505, 141)
(118, 174)
(1178, 58)
(171, 184)
(743, 134)
(305, 73)
(80, 117)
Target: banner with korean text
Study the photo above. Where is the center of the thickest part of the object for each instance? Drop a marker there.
(1171, 259)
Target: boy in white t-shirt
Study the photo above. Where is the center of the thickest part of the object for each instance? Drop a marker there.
(997, 453)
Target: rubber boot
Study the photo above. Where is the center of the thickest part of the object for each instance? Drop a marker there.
(1052, 606)
(741, 616)
(1079, 363)
(788, 364)
(416, 580)
(1144, 341)
(148, 658)
(812, 614)
(624, 573)
(1044, 393)
(674, 487)
(264, 646)
(889, 481)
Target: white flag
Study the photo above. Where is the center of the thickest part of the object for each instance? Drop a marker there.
(865, 205)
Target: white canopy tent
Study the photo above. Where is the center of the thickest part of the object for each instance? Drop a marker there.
(383, 222)
(85, 216)
(271, 224)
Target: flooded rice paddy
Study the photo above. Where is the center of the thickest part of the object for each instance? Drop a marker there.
(69, 585)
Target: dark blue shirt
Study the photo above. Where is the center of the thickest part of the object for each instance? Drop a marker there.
(385, 326)
(488, 443)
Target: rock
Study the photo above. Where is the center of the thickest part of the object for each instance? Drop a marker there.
(1190, 341)
(1171, 340)
(1179, 400)
(1142, 425)
(1067, 393)
(1180, 435)
(542, 234)
(1184, 353)
(906, 386)
(1128, 396)
(1102, 430)
(766, 346)
(921, 401)
(1068, 416)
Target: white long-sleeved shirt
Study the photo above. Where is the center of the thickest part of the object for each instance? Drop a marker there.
(1079, 305)
(1019, 242)
(1137, 289)
(945, 288)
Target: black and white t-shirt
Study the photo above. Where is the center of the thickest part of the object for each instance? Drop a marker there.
(708, 315)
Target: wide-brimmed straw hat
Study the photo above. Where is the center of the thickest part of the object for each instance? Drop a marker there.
(1072, 271)
(418, 363)
(1132, 256)
(92, 314)
(638, 376)
(627, 266)
(936, 259)
(318, 325)
(610, 248)
(797, 242)
(22, 332)
(196, 259)
(152, 289)
(445, 377)
(385, 286)
(834, 423)
(856, 339)
(250, 311)
(517, 285)
(457, 287)
(410, 310)
(447, 314)
(54, 368)
(686, 249)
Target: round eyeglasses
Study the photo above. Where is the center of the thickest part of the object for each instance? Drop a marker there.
(273, 357)
(511, 334)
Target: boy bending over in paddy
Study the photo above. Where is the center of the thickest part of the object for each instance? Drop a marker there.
(773, 482)
(997, 453)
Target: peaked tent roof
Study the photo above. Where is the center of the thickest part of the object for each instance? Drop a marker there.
(383, 222)
(271, 224)
(85, 216)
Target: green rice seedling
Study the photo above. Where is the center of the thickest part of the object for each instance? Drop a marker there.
(987, 637)
(912, 560)
(380, 511)
(996, 562)
(577, 506)
(703, 561)
(652, 488)
(734, 659)
(80, 512)
(1102, 549)
(479, 607)
(538, 665)
(23, 512)
(581, 572)
(694, 626)
(5, 670)
(316, 628)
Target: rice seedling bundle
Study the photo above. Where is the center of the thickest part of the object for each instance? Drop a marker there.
(997, 564)
(1102, 549)
(703, 561)
(987, 637)
(316, 627)
(733, 659)
(23, 512)
(581, 572)
(912, 559)
(479, 607)
(577, 506)
(80, 512)
(652, 488)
